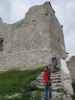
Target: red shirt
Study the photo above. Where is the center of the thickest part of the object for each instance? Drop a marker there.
(45, 77)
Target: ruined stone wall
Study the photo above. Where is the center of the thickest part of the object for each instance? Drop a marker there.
(33, 40)
(71, 66)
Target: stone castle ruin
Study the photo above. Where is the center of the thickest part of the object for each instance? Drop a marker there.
(33, 40)
(71, 66)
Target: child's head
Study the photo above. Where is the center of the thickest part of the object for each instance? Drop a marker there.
(54, 61)
(46, 68)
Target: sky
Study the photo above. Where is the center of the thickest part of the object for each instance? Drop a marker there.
(14, 10)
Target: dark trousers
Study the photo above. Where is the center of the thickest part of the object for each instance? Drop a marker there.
(46, 93)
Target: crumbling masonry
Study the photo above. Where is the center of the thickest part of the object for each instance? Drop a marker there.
(31, 41)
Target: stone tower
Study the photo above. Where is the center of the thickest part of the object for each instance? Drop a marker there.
(31, 41)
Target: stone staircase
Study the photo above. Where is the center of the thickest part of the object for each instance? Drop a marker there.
(56, 81)
(61, 84)
(56, 86)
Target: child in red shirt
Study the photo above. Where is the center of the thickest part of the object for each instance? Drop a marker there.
(46, 82)
(45, 76)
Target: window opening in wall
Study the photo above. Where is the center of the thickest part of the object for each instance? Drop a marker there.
(1, 44)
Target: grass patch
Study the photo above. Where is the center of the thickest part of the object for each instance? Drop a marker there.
(17, 81)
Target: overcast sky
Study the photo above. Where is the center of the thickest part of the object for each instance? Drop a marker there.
(14, 10)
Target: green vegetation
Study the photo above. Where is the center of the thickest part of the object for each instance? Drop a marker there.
(12, 82)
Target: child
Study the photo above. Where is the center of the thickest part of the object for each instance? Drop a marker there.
(46, 82)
